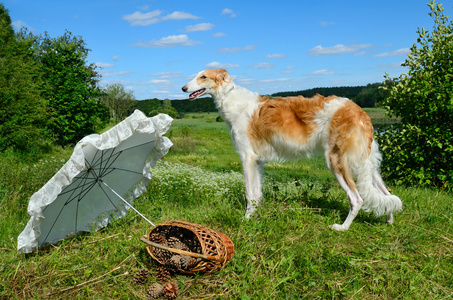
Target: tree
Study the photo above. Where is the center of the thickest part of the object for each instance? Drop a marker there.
(371, 95)
(420, 151)
(22, 109)
(166, 108)
(70, 88)
(118, 100)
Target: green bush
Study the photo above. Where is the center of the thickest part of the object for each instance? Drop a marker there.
(420, 151)
(23, 113)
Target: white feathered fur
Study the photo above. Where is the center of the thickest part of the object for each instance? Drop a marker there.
(264, 129)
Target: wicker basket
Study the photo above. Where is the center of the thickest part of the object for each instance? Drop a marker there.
(210, 248)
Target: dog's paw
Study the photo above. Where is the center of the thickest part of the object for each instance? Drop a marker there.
(249, 212)
(338, 227)
(389, 219)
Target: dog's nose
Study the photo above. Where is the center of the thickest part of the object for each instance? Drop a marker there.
(184, 88)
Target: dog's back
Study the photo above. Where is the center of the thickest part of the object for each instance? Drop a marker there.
(293, 126)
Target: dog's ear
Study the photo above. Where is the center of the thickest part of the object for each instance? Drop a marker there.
(223, 76)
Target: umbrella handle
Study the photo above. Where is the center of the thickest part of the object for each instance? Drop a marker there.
(179, 251)
(128, 204)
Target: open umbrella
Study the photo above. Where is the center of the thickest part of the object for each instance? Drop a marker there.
(99, 182)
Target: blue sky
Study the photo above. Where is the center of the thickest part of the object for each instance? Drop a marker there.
(155, 47)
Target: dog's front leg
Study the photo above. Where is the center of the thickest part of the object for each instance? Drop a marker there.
(252, 178)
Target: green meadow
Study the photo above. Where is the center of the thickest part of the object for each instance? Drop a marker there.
(285, 251)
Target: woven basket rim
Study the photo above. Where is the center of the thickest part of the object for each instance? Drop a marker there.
(209, 263)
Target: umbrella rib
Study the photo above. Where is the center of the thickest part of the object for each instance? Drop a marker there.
(63, 206)
(117, 154)
(72, 191)
(110, 170)
(139, 145)
(55, 221)
(102, 188)
(109, 164)
(103, 165)
(86, 183)
(96, 162)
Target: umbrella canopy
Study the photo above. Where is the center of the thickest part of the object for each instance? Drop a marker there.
(101, 179)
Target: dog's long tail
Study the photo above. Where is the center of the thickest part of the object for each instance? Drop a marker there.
(371, 187)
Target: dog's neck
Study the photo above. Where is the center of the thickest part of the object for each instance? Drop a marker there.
(224, 92)
(234, 102)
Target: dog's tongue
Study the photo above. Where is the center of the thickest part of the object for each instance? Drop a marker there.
(196, 94)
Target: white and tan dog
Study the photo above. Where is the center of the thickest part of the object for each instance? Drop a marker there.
(264, 129)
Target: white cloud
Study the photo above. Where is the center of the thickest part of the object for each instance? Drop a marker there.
(111, 74)
(199, 27)
(361, 53)
(338, 49)
(159, 81)
(271, 56)
(264, 65)
(399, 52)
(275, 80)
(236, 49)
(161, 92)
(169, 41)
(322, 72)
(180, 15)
(228, 11)
(104, 65)
(143, 19)
(215, 65)
(150, 82)
(19, 24)
(219, 35)
(116, 57)
(164, 75)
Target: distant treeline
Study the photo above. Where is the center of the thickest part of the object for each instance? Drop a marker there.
(365, 96)
(150, 106)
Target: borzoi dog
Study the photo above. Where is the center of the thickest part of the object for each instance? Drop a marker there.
(264, 129)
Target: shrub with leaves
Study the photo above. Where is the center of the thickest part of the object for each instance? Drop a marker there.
(70, 87)
(22, 108)
(420, 150)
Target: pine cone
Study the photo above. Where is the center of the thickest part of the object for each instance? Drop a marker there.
(155, 290)
(174, 242)
(188, 262)
(141, 276)
(158, 238)
(163, 255)
(171, 290)
(163, 274)
(174, 263)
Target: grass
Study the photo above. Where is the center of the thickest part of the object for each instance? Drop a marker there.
(286, 251)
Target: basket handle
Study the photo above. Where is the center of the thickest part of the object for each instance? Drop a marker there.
(179, 251)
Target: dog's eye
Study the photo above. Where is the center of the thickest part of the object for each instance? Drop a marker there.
(203, 77)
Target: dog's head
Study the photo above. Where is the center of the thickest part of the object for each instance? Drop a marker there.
(207, 82)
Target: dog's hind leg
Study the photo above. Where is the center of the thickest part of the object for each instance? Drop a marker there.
(339, 167)
(355, 203)
(252, 177)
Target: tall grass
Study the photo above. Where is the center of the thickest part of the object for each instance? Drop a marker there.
(285, 251)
